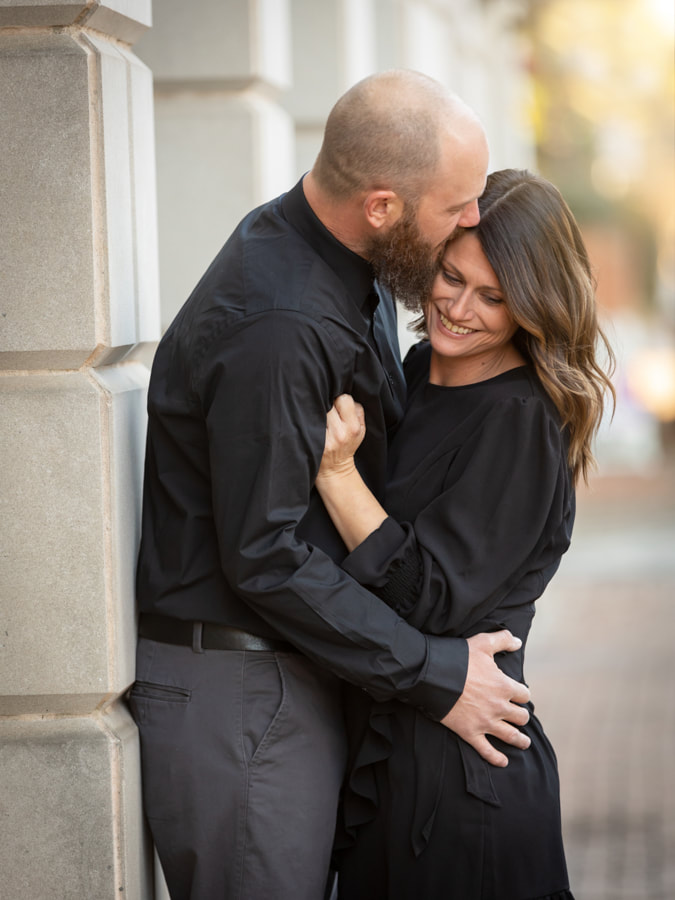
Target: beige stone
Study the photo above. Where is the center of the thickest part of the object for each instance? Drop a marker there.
(46, 251)
(218, 156)
(123, 391)
(144, 197)
(78, 197)
(70, 809)
(70, 459)
(123, 19)
(324, 69)
(239, 42)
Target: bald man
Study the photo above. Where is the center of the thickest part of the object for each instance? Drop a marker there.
(248, 625)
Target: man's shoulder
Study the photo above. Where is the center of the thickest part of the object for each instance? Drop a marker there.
(268, 265)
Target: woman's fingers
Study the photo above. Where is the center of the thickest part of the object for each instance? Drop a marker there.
(345, 424)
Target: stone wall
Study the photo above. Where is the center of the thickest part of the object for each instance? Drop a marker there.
(79, 289)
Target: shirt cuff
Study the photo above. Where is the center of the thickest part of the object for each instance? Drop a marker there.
(444, 677)
(369, 563)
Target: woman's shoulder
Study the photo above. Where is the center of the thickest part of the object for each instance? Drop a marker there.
(416, 363)
(520, 398)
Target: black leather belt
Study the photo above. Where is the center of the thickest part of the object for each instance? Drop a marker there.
(204, 635)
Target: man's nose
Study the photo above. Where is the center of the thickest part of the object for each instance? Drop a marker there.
(470, 215)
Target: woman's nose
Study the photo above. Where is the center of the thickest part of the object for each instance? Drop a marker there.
(460, 303)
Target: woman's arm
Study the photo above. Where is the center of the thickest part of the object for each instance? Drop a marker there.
(354, 510)
(499, 515)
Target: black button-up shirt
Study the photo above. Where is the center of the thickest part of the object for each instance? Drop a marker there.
(284, 320)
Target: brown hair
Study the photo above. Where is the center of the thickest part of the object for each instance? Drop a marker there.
(534, 245)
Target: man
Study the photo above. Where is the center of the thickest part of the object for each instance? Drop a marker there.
(247, 621)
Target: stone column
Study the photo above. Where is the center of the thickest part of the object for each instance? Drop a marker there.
(224, 144)
(78, 291)
(333, 48)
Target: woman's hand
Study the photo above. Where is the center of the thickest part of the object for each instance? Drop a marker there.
(353, 509)
(345, 429)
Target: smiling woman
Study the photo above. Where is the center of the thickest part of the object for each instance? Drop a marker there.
(470, 327)
(530, 245)
(503, 399)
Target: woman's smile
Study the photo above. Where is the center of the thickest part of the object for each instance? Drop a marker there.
(455, 329)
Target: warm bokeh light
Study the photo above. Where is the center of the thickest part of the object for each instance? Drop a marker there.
(604, 109)
(651, 377)
(603, 114)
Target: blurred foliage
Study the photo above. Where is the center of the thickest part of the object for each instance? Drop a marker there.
(603, 115)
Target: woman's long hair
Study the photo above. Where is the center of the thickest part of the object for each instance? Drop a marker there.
(534, 245)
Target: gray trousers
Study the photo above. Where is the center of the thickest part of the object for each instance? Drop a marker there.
(243, 754)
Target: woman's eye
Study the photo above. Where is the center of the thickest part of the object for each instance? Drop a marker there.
(494, 300)
(450, 278)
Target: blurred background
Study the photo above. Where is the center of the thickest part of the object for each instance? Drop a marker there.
(583, 92)
(600, 662)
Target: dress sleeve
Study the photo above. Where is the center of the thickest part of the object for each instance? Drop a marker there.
(265, 402)
(498, 517)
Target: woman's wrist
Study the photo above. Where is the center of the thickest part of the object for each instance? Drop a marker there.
(335, 472)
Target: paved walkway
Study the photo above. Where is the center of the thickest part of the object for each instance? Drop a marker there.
(601, 666)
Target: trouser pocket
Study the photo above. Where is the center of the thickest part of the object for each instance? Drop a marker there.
(263, 699)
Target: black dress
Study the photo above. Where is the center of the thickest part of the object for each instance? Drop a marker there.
(481, 507)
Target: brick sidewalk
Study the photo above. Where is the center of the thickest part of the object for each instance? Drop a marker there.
(600, 666)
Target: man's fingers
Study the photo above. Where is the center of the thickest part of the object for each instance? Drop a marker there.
(520, 693)
(501, 642)
(482, 746)
(517, 715)
(510, 735)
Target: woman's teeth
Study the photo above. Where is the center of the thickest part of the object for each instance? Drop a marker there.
(455, 329)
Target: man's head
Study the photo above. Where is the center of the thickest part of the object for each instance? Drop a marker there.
(414, 158)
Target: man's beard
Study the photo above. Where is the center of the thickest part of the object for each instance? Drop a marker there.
(404, 262)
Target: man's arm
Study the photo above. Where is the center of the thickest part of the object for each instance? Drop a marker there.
(266, 400)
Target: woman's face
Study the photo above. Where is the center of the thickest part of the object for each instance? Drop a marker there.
(469, 326)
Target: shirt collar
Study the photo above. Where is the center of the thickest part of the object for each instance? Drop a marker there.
(355, 272)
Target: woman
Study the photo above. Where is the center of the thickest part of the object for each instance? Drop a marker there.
(503, 401)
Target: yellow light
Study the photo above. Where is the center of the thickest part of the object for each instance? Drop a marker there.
(664, 12)
(651, 377)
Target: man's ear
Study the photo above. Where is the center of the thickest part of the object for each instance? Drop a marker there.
(382, 208)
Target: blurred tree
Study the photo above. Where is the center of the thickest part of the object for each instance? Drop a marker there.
(604, 119)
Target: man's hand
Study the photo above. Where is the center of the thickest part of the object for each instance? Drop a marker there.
(488, 702)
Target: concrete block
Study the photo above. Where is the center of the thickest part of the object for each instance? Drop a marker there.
(112, 145)
(70, 809)
(238, 41)
(144, 198)
(123, 397)
(75, 114)
(323, 69)
(428, 43)
(46, 253)
(123, 19)
(218, 156)
(69, 485)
